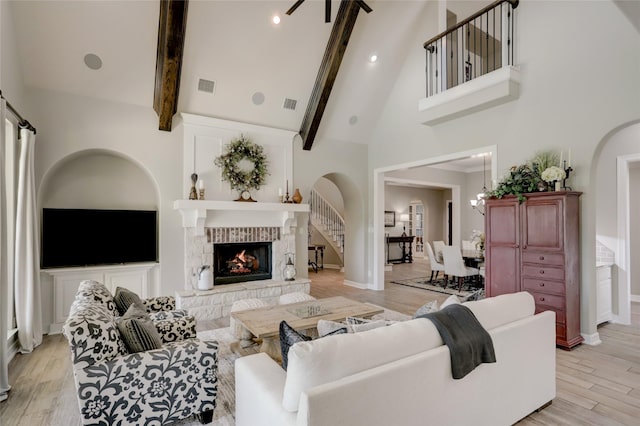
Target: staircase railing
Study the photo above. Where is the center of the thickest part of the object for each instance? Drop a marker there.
(328, 217)
(473, 47)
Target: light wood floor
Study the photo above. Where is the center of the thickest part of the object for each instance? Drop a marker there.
(596, 385)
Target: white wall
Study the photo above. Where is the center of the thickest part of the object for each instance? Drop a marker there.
(397, 198)
(331, 193)
(98, 180)
(10, 73)
(344, 164)
(69, 124)
(566, 100)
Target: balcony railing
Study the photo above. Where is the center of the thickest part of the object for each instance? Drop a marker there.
(474, 47)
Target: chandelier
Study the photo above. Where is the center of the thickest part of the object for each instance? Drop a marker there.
(478, 203)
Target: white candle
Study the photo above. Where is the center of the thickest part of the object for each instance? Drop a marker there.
(279, 192)
(561, 158)
(201, 184)
(569, 160)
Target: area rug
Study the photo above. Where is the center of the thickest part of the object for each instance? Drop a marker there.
(424, 284)
(224, 414)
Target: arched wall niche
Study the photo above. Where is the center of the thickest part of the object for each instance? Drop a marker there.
(99, 179)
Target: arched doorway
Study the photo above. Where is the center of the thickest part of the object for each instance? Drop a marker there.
(617, 183)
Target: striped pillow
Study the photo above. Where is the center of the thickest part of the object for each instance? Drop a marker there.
(138, 331)
(125, 298)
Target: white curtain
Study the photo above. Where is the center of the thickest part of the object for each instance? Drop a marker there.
(27, 252)
(4, 277)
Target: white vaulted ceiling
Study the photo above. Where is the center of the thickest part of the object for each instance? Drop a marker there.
(233, 43)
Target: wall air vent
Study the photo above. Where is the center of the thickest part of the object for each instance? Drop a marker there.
(206, 85)
(289, 104)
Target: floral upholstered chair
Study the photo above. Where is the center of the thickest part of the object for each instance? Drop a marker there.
(175, 380)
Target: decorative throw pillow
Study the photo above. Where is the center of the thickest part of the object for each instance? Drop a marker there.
(451, 300)
(138, 331)
(289, 337)
(326, 327)
(358, 325)
(427, 308)
(123, 298)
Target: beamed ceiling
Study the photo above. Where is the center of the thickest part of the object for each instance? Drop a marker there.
(233, 43)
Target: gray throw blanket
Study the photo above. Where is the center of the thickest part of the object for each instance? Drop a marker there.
(469, 343)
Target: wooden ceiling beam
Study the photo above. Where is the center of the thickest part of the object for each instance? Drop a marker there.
(336, 47)
(171, 32)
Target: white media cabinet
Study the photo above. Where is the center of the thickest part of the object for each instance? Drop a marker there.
(136, 277)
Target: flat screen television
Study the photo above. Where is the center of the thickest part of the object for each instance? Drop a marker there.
(88, 237)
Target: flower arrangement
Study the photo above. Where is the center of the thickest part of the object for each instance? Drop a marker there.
(519, 180)
(477, 237)
(553, 173)
(240, 179)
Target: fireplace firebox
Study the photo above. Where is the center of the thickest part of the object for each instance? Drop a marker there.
(239, 262)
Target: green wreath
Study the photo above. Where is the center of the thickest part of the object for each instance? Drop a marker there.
(239, 179)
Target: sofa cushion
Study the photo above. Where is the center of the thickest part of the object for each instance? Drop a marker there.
(496, 311)
(176, 329)
(124, 298)
(358, 325)
(92, 333)
(289, 337)
(451, 300)
(324, 360)
(427, 308)
(94, 291)
(137, 330)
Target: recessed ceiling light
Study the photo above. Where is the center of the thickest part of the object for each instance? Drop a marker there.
(276, 19)
(93, 61)
(373, 57)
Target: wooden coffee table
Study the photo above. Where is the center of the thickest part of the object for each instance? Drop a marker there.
(264, 323)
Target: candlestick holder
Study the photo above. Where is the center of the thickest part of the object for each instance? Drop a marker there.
(287, 200)
(193, 194)
(567, 171)
(201, 194)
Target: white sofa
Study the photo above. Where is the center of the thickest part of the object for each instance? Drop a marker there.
(401, 375)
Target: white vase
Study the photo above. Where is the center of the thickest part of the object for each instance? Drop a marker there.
(558, 185)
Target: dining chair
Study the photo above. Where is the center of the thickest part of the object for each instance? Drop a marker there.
(454, 265)
(433, 262)
(437, 249)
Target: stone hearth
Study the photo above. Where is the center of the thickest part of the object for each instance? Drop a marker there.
(216, 303)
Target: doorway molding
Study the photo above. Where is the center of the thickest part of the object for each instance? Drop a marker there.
(379, 201)
(623, 253)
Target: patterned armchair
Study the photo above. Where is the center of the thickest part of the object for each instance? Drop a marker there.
(157, 386)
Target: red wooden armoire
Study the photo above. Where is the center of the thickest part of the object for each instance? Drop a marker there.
(534, 246)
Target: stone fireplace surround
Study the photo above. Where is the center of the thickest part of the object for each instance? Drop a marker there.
(209, 222)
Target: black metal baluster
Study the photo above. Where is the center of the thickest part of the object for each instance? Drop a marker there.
(494, 39)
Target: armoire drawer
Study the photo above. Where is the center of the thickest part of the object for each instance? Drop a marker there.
(542, 285)
(549, 300)
(543, 258)
(541, 271)
(561, 318)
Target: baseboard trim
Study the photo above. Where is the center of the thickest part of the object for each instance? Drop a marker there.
(13, 345)
(356, 285)
(591, 339)
(55, 328)
(332, 266)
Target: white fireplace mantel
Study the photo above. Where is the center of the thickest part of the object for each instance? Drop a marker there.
(199, 214)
